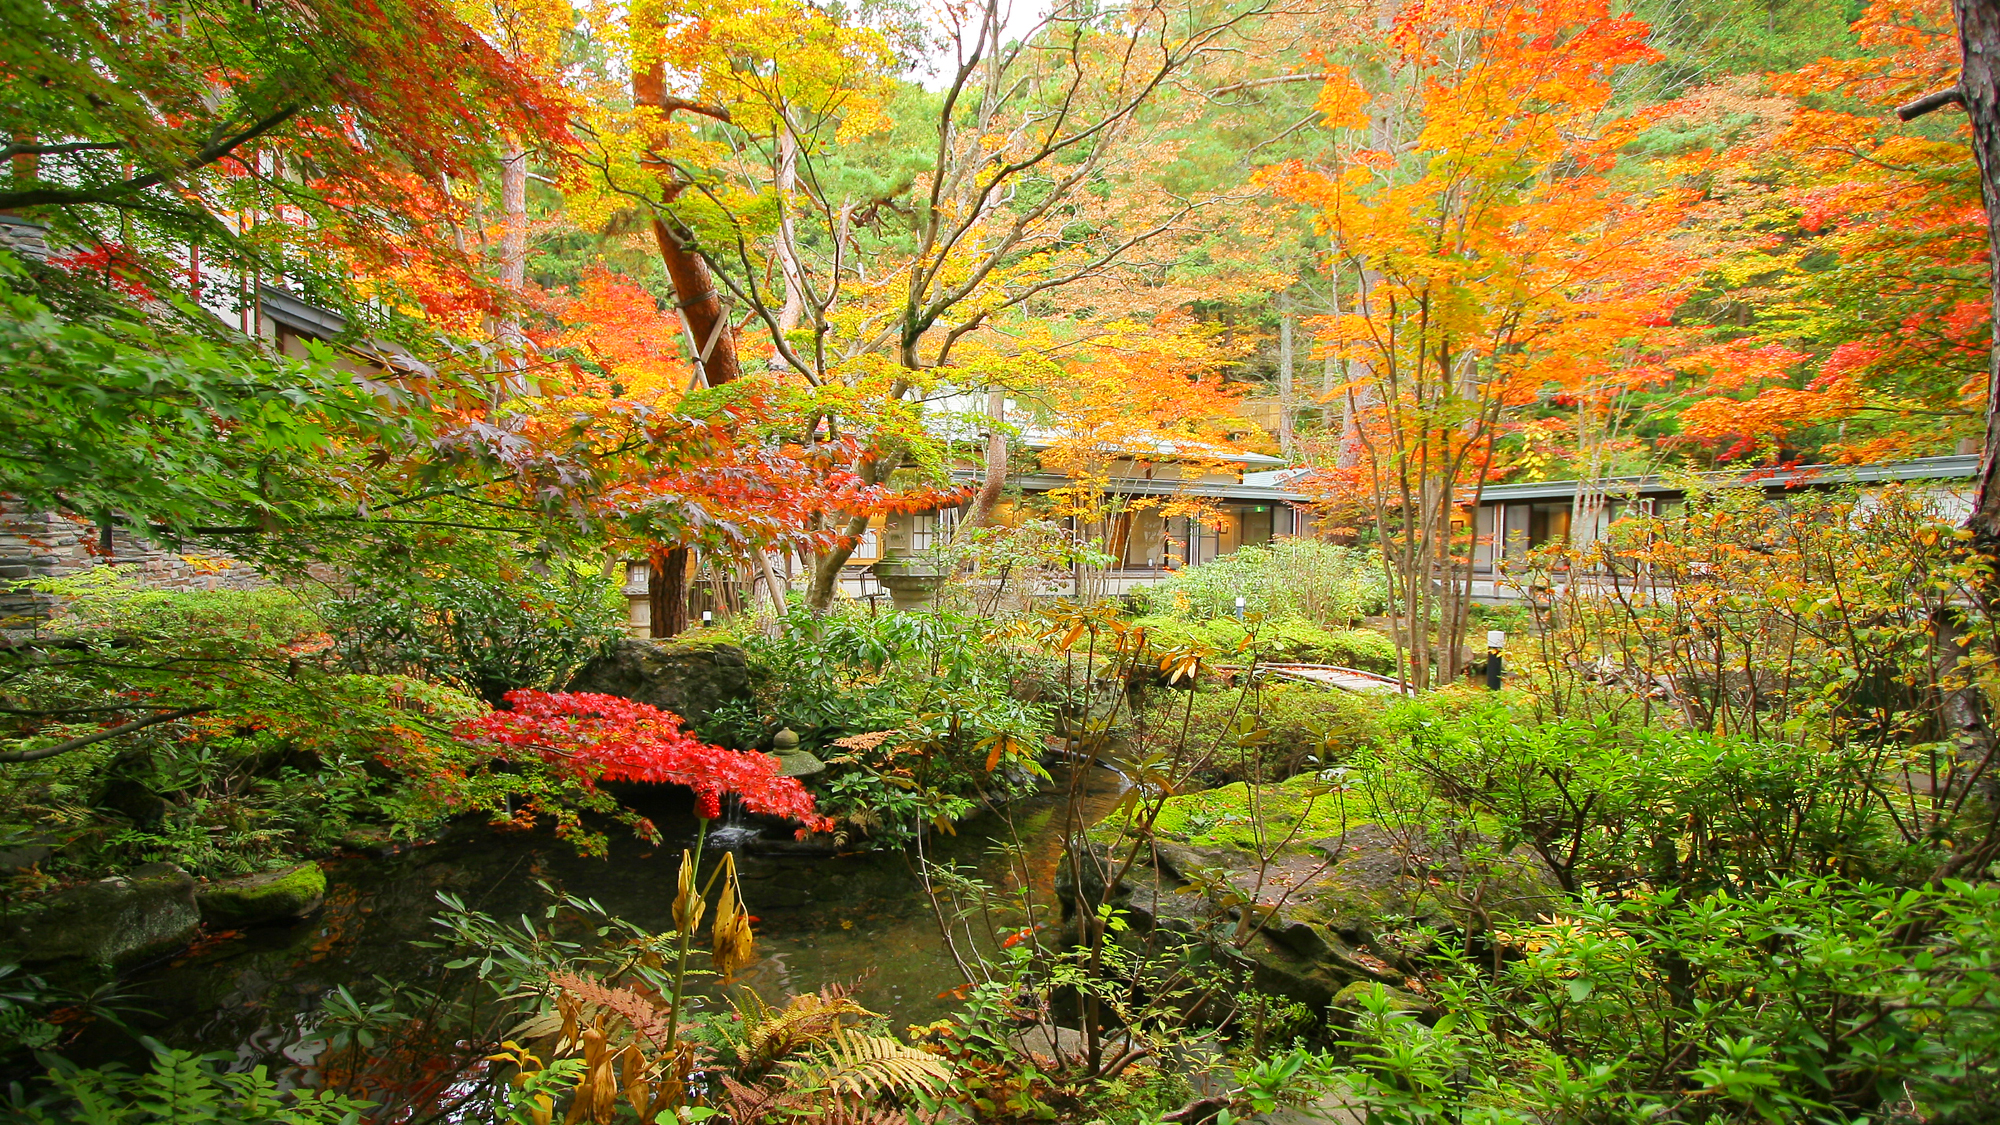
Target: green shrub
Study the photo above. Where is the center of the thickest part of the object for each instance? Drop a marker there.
(287, 753)
(1817, 1001)
(1612, 805)
(937, 689)
(472, 612)
(1292, 577)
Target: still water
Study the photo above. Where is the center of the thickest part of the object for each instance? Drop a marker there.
(821, 919)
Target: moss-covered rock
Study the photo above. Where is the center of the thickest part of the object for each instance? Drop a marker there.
(269, 896)
(370, 839)
(1249, 819)
(689, 677)
(112, 923)
(1350, 1002)
(1331, 898)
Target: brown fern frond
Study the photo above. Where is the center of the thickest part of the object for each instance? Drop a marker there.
(748, 1104)
(639, 1013)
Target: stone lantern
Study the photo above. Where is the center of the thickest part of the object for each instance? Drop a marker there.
(911, 579)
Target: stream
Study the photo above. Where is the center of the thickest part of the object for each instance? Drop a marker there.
(821, 919)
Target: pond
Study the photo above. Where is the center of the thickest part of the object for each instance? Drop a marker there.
(821, 919)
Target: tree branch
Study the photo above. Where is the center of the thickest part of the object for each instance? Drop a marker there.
(1274, 80)
(25, 148)
(214, 150)
(1931, 102)
(86, 740)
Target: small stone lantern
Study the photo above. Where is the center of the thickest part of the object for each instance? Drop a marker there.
(792, 761)
(911, 579)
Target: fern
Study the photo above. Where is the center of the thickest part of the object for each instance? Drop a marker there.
(851, 1063)
(807, 1019)
(640, 1013)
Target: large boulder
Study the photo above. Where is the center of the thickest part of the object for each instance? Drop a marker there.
(689, 678)
(112, 923)
(269, 896)
(1342, 902)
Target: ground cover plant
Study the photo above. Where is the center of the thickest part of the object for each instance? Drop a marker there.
(1295, 578)
(248, 772)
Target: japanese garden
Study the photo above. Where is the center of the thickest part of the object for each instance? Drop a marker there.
(891, 562)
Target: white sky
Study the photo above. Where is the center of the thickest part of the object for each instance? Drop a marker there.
(1016, 18)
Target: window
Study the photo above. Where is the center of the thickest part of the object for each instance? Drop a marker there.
(1548, 523)
(932, 529)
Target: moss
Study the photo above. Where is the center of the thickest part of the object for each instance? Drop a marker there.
(114, 922)
(1352, 1000)
(1267, 734)
(1301, 809)
(1280, 639)
(270, 897)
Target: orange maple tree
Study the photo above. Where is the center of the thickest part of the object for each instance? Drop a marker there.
(1470, 193)
(1857, 244)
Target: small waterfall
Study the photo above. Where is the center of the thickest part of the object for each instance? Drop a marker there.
(733, 831)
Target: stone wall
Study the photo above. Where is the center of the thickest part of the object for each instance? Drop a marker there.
(37, 545)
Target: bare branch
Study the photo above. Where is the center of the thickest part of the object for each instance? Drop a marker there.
(1930, 103)
(1274, 80)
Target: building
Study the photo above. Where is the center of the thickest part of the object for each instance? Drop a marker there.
(1512, 520)
(1243, 495)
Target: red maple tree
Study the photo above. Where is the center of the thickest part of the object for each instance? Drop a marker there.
(603, 737)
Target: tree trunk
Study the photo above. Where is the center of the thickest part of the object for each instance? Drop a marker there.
(827, 567)
(1285, 377)
(708, 328)
(666, 592)
(790, 268)
(1963, 704)
(996, 463)
(513, 263)
(1979, 88)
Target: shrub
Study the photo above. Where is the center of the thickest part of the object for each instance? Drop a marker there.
(1613, 806)
(915, 711)
(1293, 577)
(472, 612)
(1819, 1000)
(278, 749)
(284, 752)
